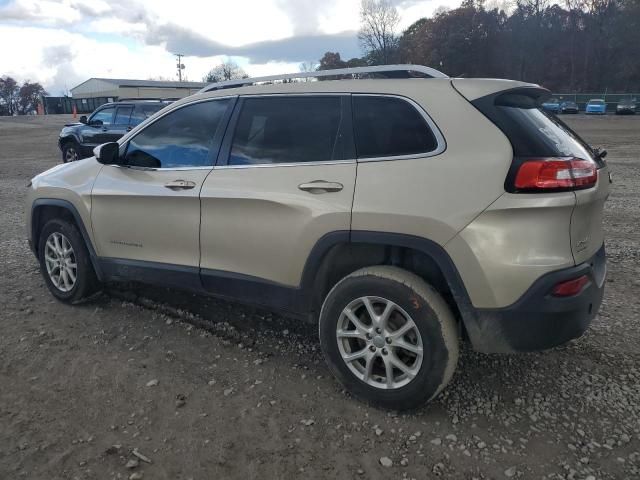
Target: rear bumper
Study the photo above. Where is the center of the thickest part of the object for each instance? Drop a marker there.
(538, 320)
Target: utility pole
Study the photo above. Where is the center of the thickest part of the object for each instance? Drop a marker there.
(180, 65)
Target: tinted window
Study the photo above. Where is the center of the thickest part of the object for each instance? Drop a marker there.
(287, 130)
(105, 116)
(142, 112)
(542, 134)
(182, 138)
(532, 131)
(387, 126)
(122, 115)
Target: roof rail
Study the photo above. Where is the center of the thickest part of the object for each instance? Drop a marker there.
(150, 99)
(385, 71)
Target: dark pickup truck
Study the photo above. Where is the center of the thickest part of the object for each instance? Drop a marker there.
(107, 123)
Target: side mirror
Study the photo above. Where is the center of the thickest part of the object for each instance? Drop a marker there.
(83, 119)
(108, 153)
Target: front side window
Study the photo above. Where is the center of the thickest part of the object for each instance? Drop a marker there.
(103, 117)
(122, 115)
(182, 138)
(280, 129)
(389, 127)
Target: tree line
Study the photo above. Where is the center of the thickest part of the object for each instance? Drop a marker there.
(18, 99)
(579, 46)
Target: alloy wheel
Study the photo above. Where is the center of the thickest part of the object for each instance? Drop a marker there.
(70, 154)
(379, 342)
(60, 260)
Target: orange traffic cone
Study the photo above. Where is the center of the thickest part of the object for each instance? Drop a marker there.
(75, 111)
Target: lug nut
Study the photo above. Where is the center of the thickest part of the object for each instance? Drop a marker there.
(388, 340)
(368, 336)
(372, 348)
(384, 351)
(378, 330)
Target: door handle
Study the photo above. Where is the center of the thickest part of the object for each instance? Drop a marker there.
(180, 185)
(320, 186)
(104, 129)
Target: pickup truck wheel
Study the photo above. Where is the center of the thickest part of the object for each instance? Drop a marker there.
(70, 152)
(65, 262)
(389, 337)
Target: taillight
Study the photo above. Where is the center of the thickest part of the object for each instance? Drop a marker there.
(555, 173)
(570, 288)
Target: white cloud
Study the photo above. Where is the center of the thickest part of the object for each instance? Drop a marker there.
(64, 42)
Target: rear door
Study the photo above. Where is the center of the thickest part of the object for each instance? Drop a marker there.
(285, 178)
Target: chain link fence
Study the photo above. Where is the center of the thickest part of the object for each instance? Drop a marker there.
(611, 99)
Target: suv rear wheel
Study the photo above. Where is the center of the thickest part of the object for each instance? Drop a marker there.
(389, 337)
(65, 262)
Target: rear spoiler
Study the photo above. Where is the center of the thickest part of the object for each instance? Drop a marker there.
(475, 88)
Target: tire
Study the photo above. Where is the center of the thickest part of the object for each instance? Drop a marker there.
(62, 233)
(70, 152)
(407, 296)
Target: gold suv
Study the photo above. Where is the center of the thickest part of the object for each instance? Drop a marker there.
(400, 209)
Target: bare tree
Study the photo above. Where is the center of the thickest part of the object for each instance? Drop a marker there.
(377, 35)
(225, 71)
(310, 66)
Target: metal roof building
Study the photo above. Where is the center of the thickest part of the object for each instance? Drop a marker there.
(125, 88)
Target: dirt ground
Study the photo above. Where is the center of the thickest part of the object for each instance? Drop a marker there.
(204, 389)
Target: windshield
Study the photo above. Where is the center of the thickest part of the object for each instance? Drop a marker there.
(596, 102)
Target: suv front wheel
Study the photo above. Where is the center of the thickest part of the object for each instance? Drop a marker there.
(65, 262)
(389, 337)
(70, 152)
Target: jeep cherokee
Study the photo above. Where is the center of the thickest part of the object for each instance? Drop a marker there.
(402, 210)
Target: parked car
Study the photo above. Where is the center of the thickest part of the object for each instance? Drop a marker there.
(552, 105)
(596, 106)
(569, 107)
(248, 191)
(107, 123)
(626, 107)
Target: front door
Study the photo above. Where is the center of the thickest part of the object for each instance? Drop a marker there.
(149, 210)
(120, 125)
(286, 180)
(96, 131)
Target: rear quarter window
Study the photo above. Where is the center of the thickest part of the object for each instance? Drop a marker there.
(390, 127)
(532, 131)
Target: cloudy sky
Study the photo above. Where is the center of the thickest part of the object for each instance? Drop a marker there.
(62, 43)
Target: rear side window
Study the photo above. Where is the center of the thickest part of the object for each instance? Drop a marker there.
(532, 131)
(280, 129)
(122, 115)
(389, 127)
(183, 138)
(142, 112)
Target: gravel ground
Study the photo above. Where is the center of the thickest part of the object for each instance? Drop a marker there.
(141, 383)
